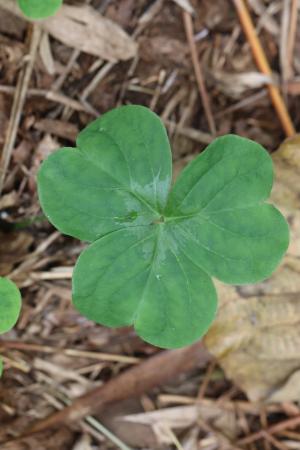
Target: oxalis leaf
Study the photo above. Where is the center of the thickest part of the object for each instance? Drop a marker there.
(39, 9)
(10, 305)
(154, 249)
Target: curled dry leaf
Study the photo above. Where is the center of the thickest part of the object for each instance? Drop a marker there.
(289, 391)
(181, 417)
(87, 30)
(235, 85)
(256, 336)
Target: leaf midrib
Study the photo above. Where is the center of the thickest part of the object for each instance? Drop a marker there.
(155, 211)
(141, 199)
(107, 134)
(151, 266)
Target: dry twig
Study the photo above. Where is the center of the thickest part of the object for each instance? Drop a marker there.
(292, 35)
(99, 356)
(52, 96)
(134, 382)
(188, 24)
(263, 65)
(19, 100)
(293, 422)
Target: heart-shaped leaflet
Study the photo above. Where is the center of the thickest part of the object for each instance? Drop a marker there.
(39, 9)
(154, 249)
(10, 305)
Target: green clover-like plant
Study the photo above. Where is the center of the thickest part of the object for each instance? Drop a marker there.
(155, 248)
(39, 9)
(10, 306)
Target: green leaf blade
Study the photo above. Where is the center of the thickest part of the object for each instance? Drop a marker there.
(153, 250)
(143, 144)
(238, 246)
(10, 304)
(85, 202)
(220, 218)
(138, 277)
(110, 275)
(180, 301)
(39, 9)
(135, 277)
(231, 172)
(97, 188)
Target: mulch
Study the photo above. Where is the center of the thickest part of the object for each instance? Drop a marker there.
(54, 357)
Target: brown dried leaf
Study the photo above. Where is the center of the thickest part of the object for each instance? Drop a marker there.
(87, 30)
(289, 392)
(44, 148)
(8, 200)
(180, 417)
(256, 336)
(46, 54)
(235, 85)
(13, 247)
(60, 128)
(12, 25)
(163, 50)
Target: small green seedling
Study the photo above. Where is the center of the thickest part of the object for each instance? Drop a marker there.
(39, 9)
(155, 248)
(10, 306)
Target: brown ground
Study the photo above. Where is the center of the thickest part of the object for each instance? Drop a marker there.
(39, 380)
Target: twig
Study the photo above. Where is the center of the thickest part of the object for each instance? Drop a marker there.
(230, 405)
(133, 382)
(52, 96)
(289, 423)
(188, 24)
(206, 380)
(292, 36)
(191, 133)
(264, 424)
(104, 70)
(18, 103)
(283, 44)
(108, 434)
(244, 103)
(224, 441)
(56, 86)
(89, 424)
(277, 444)
(172, 436)
(263, 65)
(185, 4)
(144, 20)
(98, 356)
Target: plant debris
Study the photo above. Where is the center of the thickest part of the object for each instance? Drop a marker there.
(56, 76)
